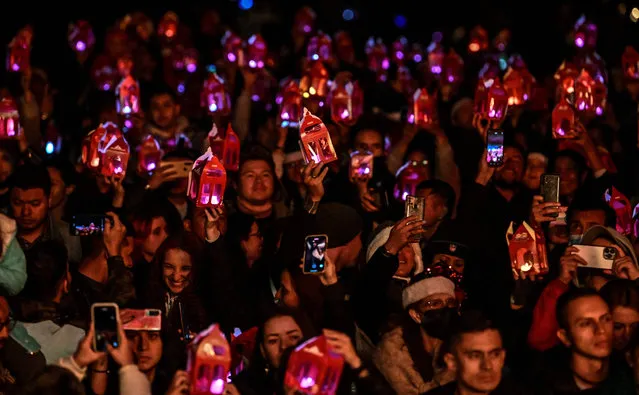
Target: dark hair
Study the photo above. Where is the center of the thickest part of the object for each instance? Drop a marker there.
(513, 144)
(256, 152)
(54, 380)
(66, 169)
(621, 293)
(157, 206)
(30, 176)
(184, 242)
(573, 155)
(588, 202)
(162, 89)
(471, 321)
(238, 228)
(47, 265)
(443, 190)
(564, 302)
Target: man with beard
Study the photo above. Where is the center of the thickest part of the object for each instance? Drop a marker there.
(407, 356)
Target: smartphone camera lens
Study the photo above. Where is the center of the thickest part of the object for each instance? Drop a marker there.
(609, 253)
(154, 313)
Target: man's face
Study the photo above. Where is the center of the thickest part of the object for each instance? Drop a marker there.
(164, 111)
(4, 321)
(581, 221)
(590, 327)
(256, 182)
(568, 176)
(406, 258)
(434, 208)
(511, 172)
(29, 207)
(478, 360)
(370, 140)
(58, 187)
(6, 167)
(455, 262)
(535, 167)
(625, 321)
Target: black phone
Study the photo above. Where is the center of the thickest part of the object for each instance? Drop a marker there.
(495, 147)
(87, 224)
(550, 187)
(315, 253)
(105, 317)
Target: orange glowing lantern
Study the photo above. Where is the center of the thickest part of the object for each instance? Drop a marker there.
(305, 20)
(114, 156)
(320, 47)
(313, 368)
(149, 155)
(128, 96)
(501, 41)
(435, 58)
(346, 100)
(630, 63)
(408, 177)
(207, 181)
(478, 40)
(231, 151)
(209, 362)
(290, 101)
(256, 52)
(423, 108)
(104, 73)
(377, 55)
(214, 96)
(623, 210)
(518, 85)
(316, 141)
(565, 77)
(19, 51)
(452, 69)
(599, 97)
(168, 26)
(233, 48)
(527, 250)
(585, 34)
(563, 121)
(9, 119)
(91, 144)
(344, 46)
(583, 92)
(491, 99)
(314, 83)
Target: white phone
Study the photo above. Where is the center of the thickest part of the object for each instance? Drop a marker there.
(597, 257)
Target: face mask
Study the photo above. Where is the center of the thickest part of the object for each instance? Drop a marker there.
(437, 323)
(575, 239)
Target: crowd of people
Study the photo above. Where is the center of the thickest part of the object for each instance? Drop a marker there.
(413, 305)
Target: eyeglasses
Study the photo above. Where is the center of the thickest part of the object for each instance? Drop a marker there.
(439, 304)
(9, 323)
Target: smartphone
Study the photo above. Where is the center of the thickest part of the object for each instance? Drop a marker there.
(597, 257)
(87, 224)
(495, 147)
(414, 207)
(550, 187)
(182, 169)
(106, 318)
(361, 165)
(141, 320)
(315, 253)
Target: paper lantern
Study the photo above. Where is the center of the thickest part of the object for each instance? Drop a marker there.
(216, 141)
(304, 20)
(361, 165)
(452, 69)
(422, 110)
(518, 85)
(52, 142)
(9, 119)
(114, 156)
(478, 40)
(208, 362)
(491, 99)
(563, 121)
(256, 52)
(490, 69)
(105, 74)
(565, 77)
(314, 83)
(138, 23)
(435, 58)
(408, 177)
(344, 46)
(227, 147)
(149, 155)
(233, 48)
(290, 101)
(242, 348)
(81, 38)
(313, 368)
(502, 40)
(19, 51)
(377, 56)
(527, 250)
(207, 181)
(599, 97)
(416, 53)
(316, 141)
(630, 63)
(91, 144)
(623, 210)
(400, 51)
(264, 88)
(583, 92)
(346, 100)
(128, 96)
(516, 61)
(585, 33)
(215, 96)
(168, 26)
(320, 47)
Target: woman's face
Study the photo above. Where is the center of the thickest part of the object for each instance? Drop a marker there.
(406, 261)
(176, 270)
(252, 246)
(146, 347)
(287, 294)
(155, 238)
(280, 333)
(625, 321)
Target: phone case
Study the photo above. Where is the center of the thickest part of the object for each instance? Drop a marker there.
(495, 148)
(117, 317)
(597, 257)
(414, 207)
(141, 320)
(304, 268)
(550, 188)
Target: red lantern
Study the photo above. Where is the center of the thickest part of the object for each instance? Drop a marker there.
(304, 20)
(565, 77)
(585, 34)
(527, 250)
(518, 85)
(81, 38)
(623, 210)
(104, 73)
(207, 181)
(452, 69)
(491, 99)
(316, 141)
(139, 24)
(408, 177)
(377, 57)
(400, 50)
(423, 109)
(346, 100)
(231, 153)
(583, 92)
(490, 70)
(209, 361)
(128, 96)
(216, 142)
(630, 63)
(168, 26)
(478, 40)
(91, 144)
(264, 88)
(233, 48)
(114, 156)
(290, 101)
(344, 47)
(416, 53)
(19, 51)
(313, 368)
(242, 348)
(256, 52)
(435, 58)
(214, 95)
(149, 155)
(599, 97)
(314, 83)
(517, 62)
(501, 41)
(320, 47)
(9, 119)
(52, 142)
(563, 121)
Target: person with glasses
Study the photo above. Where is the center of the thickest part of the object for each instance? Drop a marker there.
(408, 355)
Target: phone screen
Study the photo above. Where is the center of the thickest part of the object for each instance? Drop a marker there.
(87, 224)
(495, 148)
(314, 254)
(106, 327)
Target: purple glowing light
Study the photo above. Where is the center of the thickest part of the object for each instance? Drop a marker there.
(106, 87)
(321, 104)
(306, 28)
(582, 106)
(399, 55)
(255, 98)
(126, 110)
(345, 114)
(285, 115)
(451, 78)
(212, 107)
(181, 88)
(307, 382)
(150, 166)
(215, 200)
(417, 58)
(15, 67)
(252, 64)
(599, 110)
(191, 67)
(217, 385)
(80, 46)
(128, 123)
(231, 57)
(525, 96)
(260, 64)
(579, 42)
(315, 56)
(385, 64)
(117, 169)
(436, 69)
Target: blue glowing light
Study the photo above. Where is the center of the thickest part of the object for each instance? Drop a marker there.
(400, 21)
(246, 4)
(348, 14)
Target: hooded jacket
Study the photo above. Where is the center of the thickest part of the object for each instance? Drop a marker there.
(13, 264)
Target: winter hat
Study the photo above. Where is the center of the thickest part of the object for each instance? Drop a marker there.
(422, 287)
(382, 237)
(598, 231)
